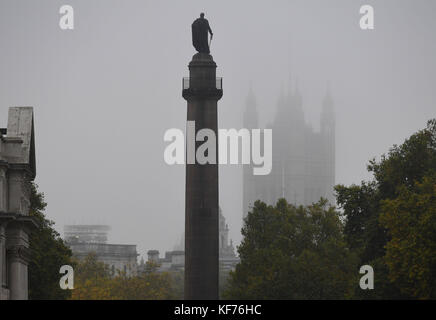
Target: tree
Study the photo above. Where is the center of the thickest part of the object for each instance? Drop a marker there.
(48, 254)
(411, 252)
(373, 213)
(293, 253)
(94, 281)
(91, 279)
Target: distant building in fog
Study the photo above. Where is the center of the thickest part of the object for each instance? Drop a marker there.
(175, 260)
(227, 257)
(85, 239)
(303, 160)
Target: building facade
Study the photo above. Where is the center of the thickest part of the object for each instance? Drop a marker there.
(86, 239)
(303, 160)
(17, 171)
(175, 260)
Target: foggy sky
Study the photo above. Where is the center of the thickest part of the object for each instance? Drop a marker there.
(105, 93)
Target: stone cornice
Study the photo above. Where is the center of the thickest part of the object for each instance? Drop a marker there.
(4, 163)
(21, 167)
(12, 139)
(28, 222)
(17, 167)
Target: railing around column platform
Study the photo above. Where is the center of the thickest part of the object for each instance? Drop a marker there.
(186, 83)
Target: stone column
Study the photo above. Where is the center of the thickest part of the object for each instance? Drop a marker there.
(201, 205)
(18, 257)
(17, 170)
(3, 279)
(4, 292)
(3, 187)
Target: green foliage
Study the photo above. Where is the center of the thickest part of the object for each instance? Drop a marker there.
(293, 253)
(406, 164)
(411, 253)
(362, 230)
(48, 254)
(384, 219)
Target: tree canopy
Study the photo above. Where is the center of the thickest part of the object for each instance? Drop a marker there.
(293, 252)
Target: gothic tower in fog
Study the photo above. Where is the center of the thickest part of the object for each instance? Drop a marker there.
(252, 186)
(328, 131)
(303, 168)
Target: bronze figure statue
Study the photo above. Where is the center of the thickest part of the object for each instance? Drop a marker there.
(200, 30)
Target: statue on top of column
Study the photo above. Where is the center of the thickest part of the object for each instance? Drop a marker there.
(200, 30)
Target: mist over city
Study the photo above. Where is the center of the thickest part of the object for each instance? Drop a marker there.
(105, 93)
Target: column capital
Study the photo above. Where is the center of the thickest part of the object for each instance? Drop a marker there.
(3, 165)
(19, 253)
